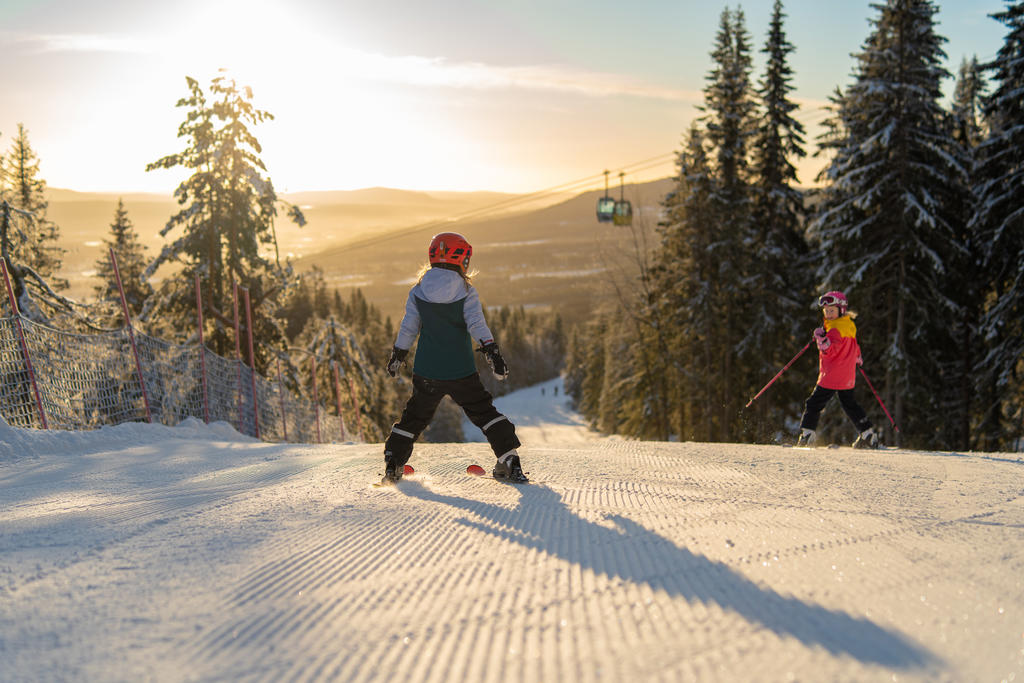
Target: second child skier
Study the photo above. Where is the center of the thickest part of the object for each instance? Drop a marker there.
(443, 309)
(839, 356)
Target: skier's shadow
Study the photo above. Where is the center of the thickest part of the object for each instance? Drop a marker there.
(632, 553)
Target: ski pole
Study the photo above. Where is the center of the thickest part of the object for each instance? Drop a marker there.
(884, 409)
(807, 346)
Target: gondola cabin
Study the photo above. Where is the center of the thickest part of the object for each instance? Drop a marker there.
(606, 209)
(623, 212)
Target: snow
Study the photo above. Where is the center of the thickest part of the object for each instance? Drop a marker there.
(192, 553)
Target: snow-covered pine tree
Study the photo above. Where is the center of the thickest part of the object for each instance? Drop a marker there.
(574, 368)
(729, 120)
(958, 399)
(333, 342)
(969, 125)
(684, 320)
(619, 396)
(585, 367)
(28, 240)
(297, 309)
(227, 223)
(999, 224)
(38, 246)
(886, 222)
(781, 277)
(131, 263)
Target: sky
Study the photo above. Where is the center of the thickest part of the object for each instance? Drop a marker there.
(516, 96)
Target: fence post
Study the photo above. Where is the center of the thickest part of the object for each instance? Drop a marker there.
(238, 357)
(355, 405)
(252, 365)
(337, 395)
(316, 402)
(281, 390)
(16, 314)
(131, 334)
(202, 353)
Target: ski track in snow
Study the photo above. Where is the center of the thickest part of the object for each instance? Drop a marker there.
(151, 553)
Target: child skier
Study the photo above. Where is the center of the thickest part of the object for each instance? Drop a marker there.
(444, 310)
(838, 358)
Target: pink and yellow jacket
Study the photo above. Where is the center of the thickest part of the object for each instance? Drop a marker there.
(837, 360)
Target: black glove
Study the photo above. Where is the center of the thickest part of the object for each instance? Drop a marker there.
(397, 359)
(494, 359)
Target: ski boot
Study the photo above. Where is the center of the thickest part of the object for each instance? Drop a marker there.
(508, 468)
(805, 438)
(867, 439)
(392, 470)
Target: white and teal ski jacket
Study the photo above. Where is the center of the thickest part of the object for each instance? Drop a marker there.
(445, 312)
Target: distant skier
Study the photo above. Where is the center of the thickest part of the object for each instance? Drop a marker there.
(838, 358)
(444, 310)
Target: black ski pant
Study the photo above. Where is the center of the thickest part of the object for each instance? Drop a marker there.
(469, 393)
(820, 397)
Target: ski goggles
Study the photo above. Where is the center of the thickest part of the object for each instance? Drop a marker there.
(830, 300)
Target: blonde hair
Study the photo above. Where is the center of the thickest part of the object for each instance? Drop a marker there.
(849, 314)
(466, 277)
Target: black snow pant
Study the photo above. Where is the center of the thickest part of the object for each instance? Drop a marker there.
(469, 393)
(820, 397)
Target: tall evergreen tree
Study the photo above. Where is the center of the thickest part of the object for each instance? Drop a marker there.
(227, 223)
(957, 398)
(999, 222)
(585, 367)
(730, 107)
(969, 126)
(781, 274)
(36, 245)
(28, 240)
(131, 264)
(886, 222)
(685, 320)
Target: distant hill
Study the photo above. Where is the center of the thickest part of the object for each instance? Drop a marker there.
(555, 258)
(332, 218)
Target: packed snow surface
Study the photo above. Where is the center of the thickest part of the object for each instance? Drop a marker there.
(192, 553)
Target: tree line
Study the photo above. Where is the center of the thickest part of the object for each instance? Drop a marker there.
(224, 236)
(918, 219)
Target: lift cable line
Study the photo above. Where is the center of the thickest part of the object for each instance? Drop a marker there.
(580, 185)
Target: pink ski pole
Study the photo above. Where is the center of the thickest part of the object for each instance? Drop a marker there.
(884, 409)
(801, 352)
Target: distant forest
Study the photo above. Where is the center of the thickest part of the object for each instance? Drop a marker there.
(919, 220)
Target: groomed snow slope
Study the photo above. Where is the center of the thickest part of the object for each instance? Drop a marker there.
(143, 552)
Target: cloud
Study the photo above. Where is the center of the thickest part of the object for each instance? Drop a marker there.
(439, 72)
(80, 42)
(404, 70)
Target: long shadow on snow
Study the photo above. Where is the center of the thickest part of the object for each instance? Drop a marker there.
(542, 521)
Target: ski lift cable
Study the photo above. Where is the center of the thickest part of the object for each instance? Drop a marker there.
(580, 185)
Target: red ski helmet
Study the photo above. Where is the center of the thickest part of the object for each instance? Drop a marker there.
(834, 298)
(451, 248)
